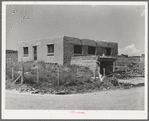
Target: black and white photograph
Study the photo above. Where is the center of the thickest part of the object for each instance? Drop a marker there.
(74, 60)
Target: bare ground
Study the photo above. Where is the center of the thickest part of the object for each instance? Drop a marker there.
(135, 80)
(129, 99)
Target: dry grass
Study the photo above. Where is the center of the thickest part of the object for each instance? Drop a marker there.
(68, 80)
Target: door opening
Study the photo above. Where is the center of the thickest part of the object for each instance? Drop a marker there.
(35, 52)
(105, 64)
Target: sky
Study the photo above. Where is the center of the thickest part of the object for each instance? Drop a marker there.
(124, 24)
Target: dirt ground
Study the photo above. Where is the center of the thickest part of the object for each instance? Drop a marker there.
(133, 80)
(129, 99)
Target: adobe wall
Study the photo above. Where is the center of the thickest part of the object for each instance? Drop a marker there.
(11, 57)
(42, 50)
(69, 43)
(88, 61)
(63, 49)
(122, 60)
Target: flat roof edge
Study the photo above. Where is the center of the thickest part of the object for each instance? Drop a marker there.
(41, 39)
(90, 39)
(62, 36)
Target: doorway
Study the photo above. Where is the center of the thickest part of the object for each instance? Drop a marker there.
(35, 52)
(104, 64)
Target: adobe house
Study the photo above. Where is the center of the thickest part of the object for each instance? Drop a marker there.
(63, 49)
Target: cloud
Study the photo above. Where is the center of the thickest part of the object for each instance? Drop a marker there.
(129, 50)
(143, 13)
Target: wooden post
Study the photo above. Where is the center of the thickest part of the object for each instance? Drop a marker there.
(114, 63)
(103, 71)
(94, 71)
(22, 77)
(37, 75)
(17, 78)
(126, 69)
(12, 74)
(58, 76)
(75, 74)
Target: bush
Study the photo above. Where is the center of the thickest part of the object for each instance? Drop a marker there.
(9, 84)
(17, 67)
(86, 78)
(16, 75)
(41, 64)
(66, 77)
(114, 81)
(28, 66)
(47, 76)
(30, 79)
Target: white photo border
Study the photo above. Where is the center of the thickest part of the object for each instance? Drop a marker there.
(66, 114)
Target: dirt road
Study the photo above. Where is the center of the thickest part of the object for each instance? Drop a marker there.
(130, 99)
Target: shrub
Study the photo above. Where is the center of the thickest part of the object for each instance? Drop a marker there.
(9, 84)
(114, 81)
(30, 79)
(86, 78)
(79, 88)
(47, 76)
(27, 66)
(66, 77)
(17, 67)
(16, 75)
(41, 64)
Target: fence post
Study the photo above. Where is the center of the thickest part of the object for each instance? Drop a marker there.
(94, 72)
(75, 74)
(37, 75)
(12, 74)
(58, 76)
(126, 69)
(114, 64)
(22, 77)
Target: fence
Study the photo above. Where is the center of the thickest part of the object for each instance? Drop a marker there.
(40, 72)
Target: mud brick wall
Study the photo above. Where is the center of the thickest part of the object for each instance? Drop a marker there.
(11, 57)
(88, 61)
(68, 53)
(114, 47)
(99, 50)
(101, 46)
(122, 60)
(69, 43)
